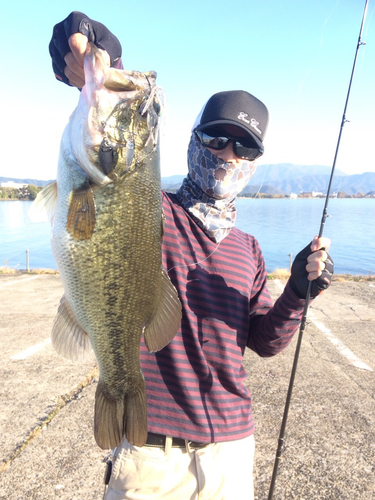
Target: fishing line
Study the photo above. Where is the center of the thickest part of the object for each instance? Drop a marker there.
(261, 184)
(217, 246)
(195, 263)
(253, 198)
(308, 72)
(314, 60)
(304, 316)
(369, 21)
(314, 57)
(326, 21)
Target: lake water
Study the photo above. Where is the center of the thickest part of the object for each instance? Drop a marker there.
(282, 226)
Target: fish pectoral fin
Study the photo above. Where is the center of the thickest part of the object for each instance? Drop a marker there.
(165, 322)
(163, 219)
(115, 418)
(81, 214)
(44, 205)
(68, 338)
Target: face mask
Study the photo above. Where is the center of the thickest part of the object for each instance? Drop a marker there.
(209, 191)
(217, 179)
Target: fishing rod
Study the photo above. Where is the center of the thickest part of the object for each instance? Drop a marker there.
(306, 307)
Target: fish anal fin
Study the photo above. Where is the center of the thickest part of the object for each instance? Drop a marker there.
(165, 322)
(115, 418)
(81, 214)
(68, 338)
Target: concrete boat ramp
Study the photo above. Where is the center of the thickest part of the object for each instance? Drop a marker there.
(47, 402)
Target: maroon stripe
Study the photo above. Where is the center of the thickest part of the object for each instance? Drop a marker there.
(195, 385)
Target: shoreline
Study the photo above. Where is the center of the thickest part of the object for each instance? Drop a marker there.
(262, 196)
(276, 274)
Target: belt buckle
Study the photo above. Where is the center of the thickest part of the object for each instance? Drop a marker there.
(189, 449)
(168, 444)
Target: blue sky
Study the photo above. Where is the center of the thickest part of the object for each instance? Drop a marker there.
(294, 55)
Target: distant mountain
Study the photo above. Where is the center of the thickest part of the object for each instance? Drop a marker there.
(357, 183)
(275, 173)
(286, 178)
(34, 182)
(280, 178)
(172, 182)
(308, 179)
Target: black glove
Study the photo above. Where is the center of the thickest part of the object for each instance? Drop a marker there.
(298, 279)
(97, 33)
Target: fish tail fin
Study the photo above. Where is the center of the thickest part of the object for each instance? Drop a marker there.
(135, 416)
(115, 418)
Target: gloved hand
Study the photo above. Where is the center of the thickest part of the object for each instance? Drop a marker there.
(308, 262)
(97, 33)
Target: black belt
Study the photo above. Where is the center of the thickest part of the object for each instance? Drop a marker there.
(158, 440)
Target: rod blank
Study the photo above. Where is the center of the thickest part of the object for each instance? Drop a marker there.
(305, 311)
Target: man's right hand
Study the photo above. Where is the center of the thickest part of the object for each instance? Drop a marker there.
(68, 45)
(74, 60)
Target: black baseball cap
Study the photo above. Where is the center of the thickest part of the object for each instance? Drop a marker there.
(235, 107)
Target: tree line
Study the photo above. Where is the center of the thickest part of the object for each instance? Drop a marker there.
(23, 193)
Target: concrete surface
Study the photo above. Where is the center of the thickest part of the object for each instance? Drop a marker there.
(47, 403)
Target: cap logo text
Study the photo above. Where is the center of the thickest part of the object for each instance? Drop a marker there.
(242, 116)
(254, 124)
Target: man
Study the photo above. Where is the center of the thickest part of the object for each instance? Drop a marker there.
(200, 442)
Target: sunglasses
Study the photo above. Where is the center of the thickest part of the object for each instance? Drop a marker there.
(243, 147)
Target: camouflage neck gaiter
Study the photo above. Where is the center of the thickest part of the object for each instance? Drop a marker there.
(210, 189)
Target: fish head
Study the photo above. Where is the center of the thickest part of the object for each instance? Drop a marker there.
(117, 119)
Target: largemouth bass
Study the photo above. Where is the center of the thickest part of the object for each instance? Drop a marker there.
(106, 239)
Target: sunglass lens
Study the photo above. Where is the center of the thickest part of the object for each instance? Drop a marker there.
(212, 142)
(247, 153)
(243, 147)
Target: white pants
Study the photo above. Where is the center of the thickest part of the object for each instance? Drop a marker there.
(219, 471)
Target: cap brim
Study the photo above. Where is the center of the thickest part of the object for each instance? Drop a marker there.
(236, 124)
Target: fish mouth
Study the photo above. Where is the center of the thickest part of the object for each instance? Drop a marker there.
(130, 134)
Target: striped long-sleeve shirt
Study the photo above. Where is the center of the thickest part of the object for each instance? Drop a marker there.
(195, 385)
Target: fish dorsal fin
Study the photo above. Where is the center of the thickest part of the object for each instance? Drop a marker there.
(44, 205)
(68, 338)
(166, 320)
(81, 214)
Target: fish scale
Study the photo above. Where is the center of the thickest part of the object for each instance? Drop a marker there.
(106, 240)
